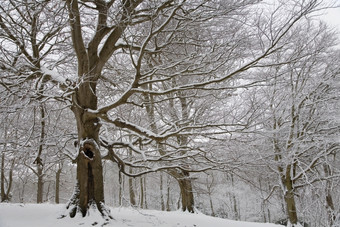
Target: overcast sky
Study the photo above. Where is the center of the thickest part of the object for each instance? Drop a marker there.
(332, 16)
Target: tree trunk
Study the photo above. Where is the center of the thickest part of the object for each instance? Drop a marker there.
(90, 185)
(57, 185)
(211, 206)
(91, 58)
(187, 194)
(145, 199)
(131, 191)
(237, 215)
(38, 160)
(183, 177)
(40, 190)
(6, 191)
(289, 197)
(329, 200)
(23, 183)
(210, 191)
(4, 195)
(141, 193)
(291, 208)
(121, 189)
(47, 194)
(168, 194)
(161, 191)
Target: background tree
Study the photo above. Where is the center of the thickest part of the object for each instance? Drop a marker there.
(296, 117)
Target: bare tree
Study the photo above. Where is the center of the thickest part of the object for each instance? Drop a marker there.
(296, 118)
(112, 42)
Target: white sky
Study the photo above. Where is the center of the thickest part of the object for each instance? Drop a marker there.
(332, 16)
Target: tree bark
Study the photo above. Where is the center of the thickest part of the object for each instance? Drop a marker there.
(57, 185)
(329, 199)
(90, 185)
(38, 160)
(186, 192)
(40, 190)
(141, 193)
(121, 189)
(211, 206)
(161, 191)
(289, 197)
(131, 191)
(185, 182)
(168, 195)
(210, 191)
(145, 199)
(234, 201)
(5, 192)
(291, 208)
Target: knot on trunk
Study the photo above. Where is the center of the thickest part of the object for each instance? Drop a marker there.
(88, 148)
(38, 161)
(88, 153)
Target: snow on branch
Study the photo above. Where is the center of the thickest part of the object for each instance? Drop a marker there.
(126, 145)
(121, 164)
(55, 77)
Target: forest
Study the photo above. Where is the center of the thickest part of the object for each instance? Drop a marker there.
(226, 107)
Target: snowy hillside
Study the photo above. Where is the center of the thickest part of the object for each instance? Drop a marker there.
(34, 215)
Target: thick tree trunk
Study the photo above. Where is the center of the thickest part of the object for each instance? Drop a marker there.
(90, 185)
(186, 190)
(290, 206)
(184, 179)
(187, 194)
(6, 191)
(90, 177)
(5, 194)
(289, 197)
(330, 208)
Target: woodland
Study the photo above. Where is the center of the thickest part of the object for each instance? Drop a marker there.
(226, 107)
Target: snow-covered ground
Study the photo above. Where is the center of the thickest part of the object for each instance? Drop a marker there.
(46, 215)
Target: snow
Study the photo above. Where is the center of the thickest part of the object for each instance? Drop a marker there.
(89, 141)
(54, 74)
(38, 215)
